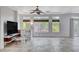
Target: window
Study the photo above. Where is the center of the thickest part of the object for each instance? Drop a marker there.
(26, 25)
(40, 25)
(55, 25)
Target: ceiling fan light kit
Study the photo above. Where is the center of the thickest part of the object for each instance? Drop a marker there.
(36, 11)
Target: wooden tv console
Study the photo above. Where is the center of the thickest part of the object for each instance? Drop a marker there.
(9, 38)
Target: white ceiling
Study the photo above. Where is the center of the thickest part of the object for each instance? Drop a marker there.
(46, 9)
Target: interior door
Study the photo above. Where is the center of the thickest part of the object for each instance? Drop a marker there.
(75, 27)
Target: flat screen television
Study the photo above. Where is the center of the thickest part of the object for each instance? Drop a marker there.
(12, 27)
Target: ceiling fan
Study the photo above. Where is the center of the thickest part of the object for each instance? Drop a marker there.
(37, 11)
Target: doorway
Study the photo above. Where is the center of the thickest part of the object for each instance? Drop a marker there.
(76, 27)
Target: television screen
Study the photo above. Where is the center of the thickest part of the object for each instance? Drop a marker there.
(11, 27)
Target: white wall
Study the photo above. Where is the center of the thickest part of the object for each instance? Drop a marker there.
(6, 14)
(1, 33)
(18, 20)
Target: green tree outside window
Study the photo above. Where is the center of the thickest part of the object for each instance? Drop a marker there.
(55, 26)
(26, 26)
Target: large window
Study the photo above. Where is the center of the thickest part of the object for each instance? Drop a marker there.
(55, 26)
(41, 25)
(26, 25)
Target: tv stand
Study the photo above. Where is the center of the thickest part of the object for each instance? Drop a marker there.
(9, 38)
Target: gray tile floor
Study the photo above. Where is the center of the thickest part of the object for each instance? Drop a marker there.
(38, 44)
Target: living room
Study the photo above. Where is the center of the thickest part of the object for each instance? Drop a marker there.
(39, 28)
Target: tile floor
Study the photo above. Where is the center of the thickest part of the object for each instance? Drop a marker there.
(38, 44)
